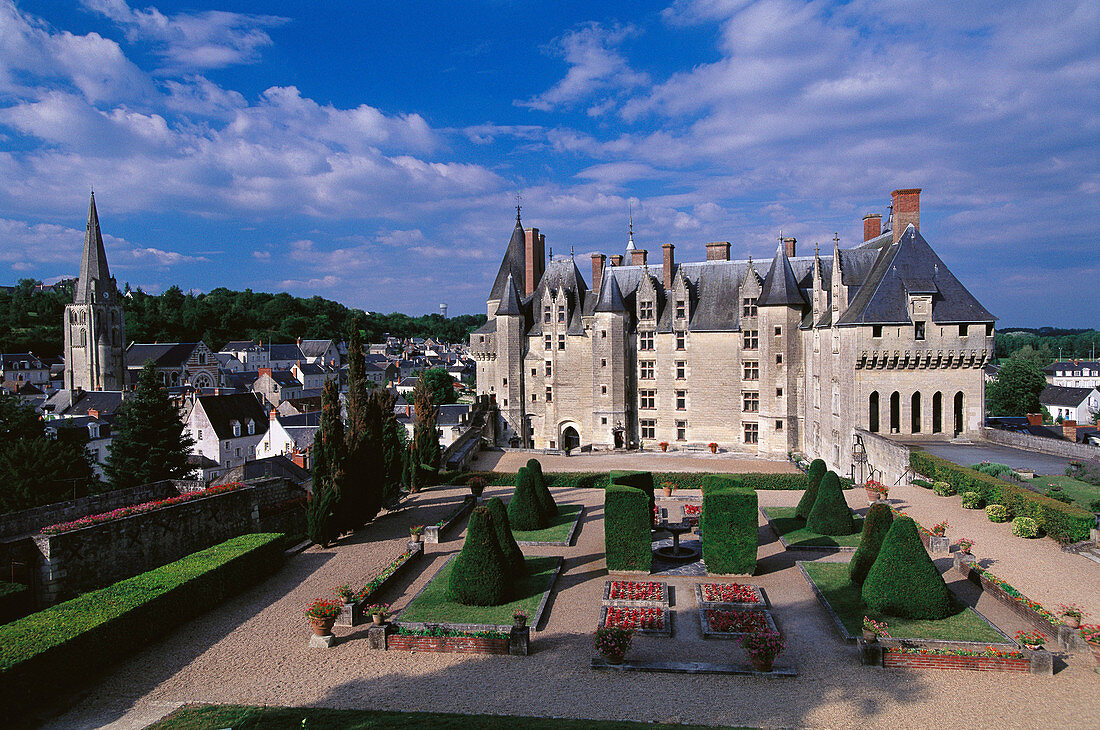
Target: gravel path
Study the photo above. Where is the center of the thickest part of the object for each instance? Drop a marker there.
(253, 650)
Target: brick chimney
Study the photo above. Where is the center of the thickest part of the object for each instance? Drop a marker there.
(260, 372)
(617, 260)
(638, 256)
(1069, 430)
(872, 226)
(1035, 419)
(788, 246)
(906, 210)
(273, 416)
(669, 264)
(598, 260)
(718, 251)
(92, 412)
(534, 255)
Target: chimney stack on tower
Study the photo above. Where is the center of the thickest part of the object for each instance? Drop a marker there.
(598, 260)
(718, 251)
(788, 246)
(669, 265)
(872, 226)
(638, 256)
(906, 210)
(534, 256)
(617, 260)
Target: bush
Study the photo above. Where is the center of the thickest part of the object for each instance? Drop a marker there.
(729, 527)
(943, 489)
(830, 514)
(903, 580)
(875, 526)
(813, 482)
(642, 480)
(600, 480)
(523, 509)
(1056, 492)
(971, 500)
(506, 541)
(77, 639)
(545, 500)
(924, 483)
(1025, 527)
(1064, 522)
(994, 469)
(480, 576)
(997, 513)
(1094, 505)
(627, 521)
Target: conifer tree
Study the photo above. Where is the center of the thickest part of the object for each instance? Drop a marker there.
(328, 469)
(831, 514)
(507, 541)
(150, 442)
(425, 434)
(903, 580)
(523, 509)
(480, 576)
(875, 526)
(358, 467)
(393, 453)
(547, 506)
(813, 481)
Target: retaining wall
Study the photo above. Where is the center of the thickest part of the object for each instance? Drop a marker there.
(1039, 443)
(893, 659)
(883, 454)
(448, 644)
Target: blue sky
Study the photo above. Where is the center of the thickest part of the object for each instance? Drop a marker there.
(372, 152)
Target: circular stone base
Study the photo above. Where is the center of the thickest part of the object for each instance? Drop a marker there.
(683, 555)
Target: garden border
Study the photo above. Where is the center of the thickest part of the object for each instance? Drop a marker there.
(641, 602)
(432, 533)
(351, 614)
(666, 617)
(568, 538)
(805, 548)
(763, 603)
(885, 653)
(704, 625)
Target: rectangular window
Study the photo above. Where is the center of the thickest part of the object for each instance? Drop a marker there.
(603, 390)
(989, 330)
(546, 314)
(645, 340)
(752, 433)
(681, 309)
(918, 331)
(778, 331)
(561, 315)
(778, 392)
(534, 372)
(681, 370)
(876, 330)
(681, 340)
(548, 342)
(645, 370)
(647, 399)
(648, 428)
(681, 430)
(603, 421)
(548, 368)
(779, 359)
(964, 330)
(549, 394)
(748, 307)
(750, 401)
(681, 400)
(534, 397)
(752, 370)
(750, 339)
(561, 342)
(603, 334)
(779, 426)
(645, 310)
(603, 362)
(505, 381)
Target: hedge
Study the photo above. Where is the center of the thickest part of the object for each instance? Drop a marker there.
(481, 575)
(77, 639)
(1066, 523)
(523, 508)
(547, 507)
(642, 480)
(681, 480)
(875, 526)
(729, 527)
(513, 556)
(903, 580)
(626, 528)
(830, 514)
(14, 601)
(814, 475)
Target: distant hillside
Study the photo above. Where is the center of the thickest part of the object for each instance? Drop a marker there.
(1048, 341)
(31, 319)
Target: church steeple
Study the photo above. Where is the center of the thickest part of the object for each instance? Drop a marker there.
(93, 263)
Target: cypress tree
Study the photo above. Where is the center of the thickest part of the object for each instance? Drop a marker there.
(513, 556)
(393, 452)
(425, 434)
(360, 469)
(830, 515)
(813, 481)
(523, 509)
(547, 506)
(329, 452)
(480, 576)
(875, 526)
(903, 580)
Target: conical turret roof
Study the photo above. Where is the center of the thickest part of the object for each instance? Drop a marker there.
(513, 264)
(509, 300)
(780, 287)
(93, 263)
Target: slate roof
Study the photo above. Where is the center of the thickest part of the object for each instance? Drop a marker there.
(240, 346)
(163, 355)
(780, 287)
(286, 352)
(93, 262)
(1056, 395)
(314, 348)
(313, 418)
(512, 265)
(79, 402)
(509, 298)
(15, 360)
(222, 410)
(1072, 366)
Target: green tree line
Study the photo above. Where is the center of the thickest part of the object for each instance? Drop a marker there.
(1047, 342)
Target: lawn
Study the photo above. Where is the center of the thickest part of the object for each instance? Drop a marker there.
(844, 597)
(207, 717)
(432, 605)
(1082, 493)
(556, 532)
(793, 529)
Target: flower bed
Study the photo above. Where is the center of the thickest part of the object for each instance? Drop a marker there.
(989, 659)
(729, 593)
(692, 513)
(136, 509)
(643, 618)
(732, 621)
(352, 613)
(629, 590)
(433, 532)
(448, 641)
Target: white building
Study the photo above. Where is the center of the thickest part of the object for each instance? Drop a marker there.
(1071, 404)
(1073, 373)
(226, 428)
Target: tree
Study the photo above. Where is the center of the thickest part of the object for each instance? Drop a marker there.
(1016, 390)
(523, 509)
(328, 469)
(875, 526)
(513, 556)
(547, 506)
(441, 384)
(903, 580)
(362, 450)
(813, 481)
(830, 515)
(425, 433)
(150, 442)
(480, 576)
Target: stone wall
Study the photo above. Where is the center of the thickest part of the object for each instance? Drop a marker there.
(885, 455)
(1039, 443)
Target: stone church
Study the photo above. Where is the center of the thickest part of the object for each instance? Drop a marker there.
(760, 357)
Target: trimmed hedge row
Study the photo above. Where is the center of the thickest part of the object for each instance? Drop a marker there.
(1064, 522)
(681, 480)
(729, 527)
(626, 528)
(76, 639)
(14, 601)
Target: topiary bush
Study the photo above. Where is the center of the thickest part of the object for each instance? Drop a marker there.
(971, 500)
(513, 556)
(997, 513)
(480, 576)
(523, 509)
(943, 489)
(626, 528)
(830, 514)
(875, 526)
(1025, 527)
(813, 475)
(547, 506)
(642, 480)
(729, 527)
(903, 580)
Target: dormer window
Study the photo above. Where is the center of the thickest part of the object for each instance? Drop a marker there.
(645, 310)
(748, 306)
(236, 428)
(251, 428)
(546, 314)
(918, 330)
(681, 309)
(561, 315)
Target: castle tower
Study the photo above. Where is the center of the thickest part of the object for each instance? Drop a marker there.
(93, 326)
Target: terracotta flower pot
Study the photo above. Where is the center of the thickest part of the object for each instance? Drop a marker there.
(416, 538)
(1095, 652)
(667, 491)
(869, 635)
(664, 447)
(323, 626)
(761, 664)
(964, 550)
(1074, 622)
(714, 449)
(377, 619)
(613, 658)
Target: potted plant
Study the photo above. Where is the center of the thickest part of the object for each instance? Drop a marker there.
(762, 647)
(668, 488)
(377, 612)
(1071, 615)
(965, 543)
(416, 532)
(612, 643)
(713, 447)
(477, 486)
(873, 629)
(322, 614)
(1091, 634)
(940, 528)
(343, 592)
(1031, 639)
(519, 618)
(876, 490)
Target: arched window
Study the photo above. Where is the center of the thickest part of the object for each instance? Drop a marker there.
(83, 337)
(914, 414)
(895, 412)
(937, 412)
(958, 413)
(872, 412)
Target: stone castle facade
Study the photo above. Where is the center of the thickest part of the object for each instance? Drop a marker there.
(764, 358)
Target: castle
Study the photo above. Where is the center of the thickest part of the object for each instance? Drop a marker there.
(760, 357)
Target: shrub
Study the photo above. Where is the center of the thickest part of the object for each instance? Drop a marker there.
(994, 470)
(523, 509)
(1094, 505)
(997, 513)
(875, 526)
(77, 639)
(627, 521)
(903, 580)
(1055, 492)
(545, 500)
(480, 576)
(513, 556)
(1025, 527)
(830, 514)
(943, 489)
(600, 480)
(642, 480)
(813, 482)
(971, 500)
(729, 527)
(922, 483)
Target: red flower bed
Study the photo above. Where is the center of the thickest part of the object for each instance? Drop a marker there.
(136, 509)
(729, 593)
(629, 590)
(736, 622)
(692, 513)
(635, 618)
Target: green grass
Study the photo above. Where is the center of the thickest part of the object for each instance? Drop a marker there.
(432, 605)
(793, 529)
(558, 531)
(209, 717)
(1082, 493)
(844, 597)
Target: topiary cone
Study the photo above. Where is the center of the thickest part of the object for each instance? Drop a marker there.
(903, 580)
(875, 526)
(546, 502)
(480, 576)
(830, 515)
(813, 481)
(513, 556)
(523, 509)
